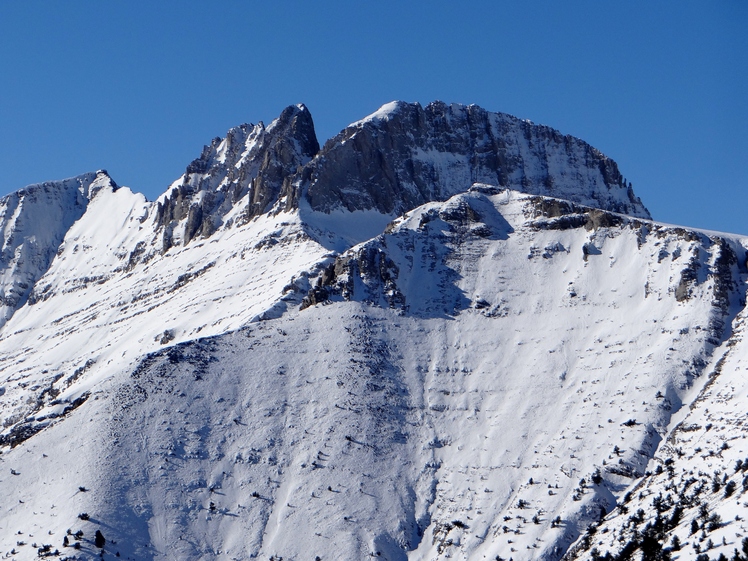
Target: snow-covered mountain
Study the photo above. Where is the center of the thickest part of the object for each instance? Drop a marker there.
(404, 155)
(34, 221)
(447, 333)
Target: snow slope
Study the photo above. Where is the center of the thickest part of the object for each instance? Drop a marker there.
(108, 298)
(481, 343)
(694, 495)
(29, 243)
(396, 346)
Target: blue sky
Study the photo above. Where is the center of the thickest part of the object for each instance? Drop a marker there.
(138, 88)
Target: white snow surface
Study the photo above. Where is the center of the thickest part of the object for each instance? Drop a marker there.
(470, 366)
(699, 471)
(381, 114)
(28, 244)
(109, 295)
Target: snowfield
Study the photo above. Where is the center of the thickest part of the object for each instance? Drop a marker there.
(497, 375)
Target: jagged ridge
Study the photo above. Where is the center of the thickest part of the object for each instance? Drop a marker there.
(398, 158)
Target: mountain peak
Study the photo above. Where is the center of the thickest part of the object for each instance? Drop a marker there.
(35, 220)
(251, 164)
(404, 155)
(385, 112)
(399, 157)
(102, 180)
(396, 347)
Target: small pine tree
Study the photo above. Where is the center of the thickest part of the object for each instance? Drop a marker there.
(676, 543)
(99, 540)
(716, 484)
(597, 477)
(675, 516)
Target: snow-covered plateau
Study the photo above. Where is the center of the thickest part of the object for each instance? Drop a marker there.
(445, 334)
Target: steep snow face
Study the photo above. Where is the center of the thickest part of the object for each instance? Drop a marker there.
(443, 392)
(405, 155)
(693, 500)
(33, 222)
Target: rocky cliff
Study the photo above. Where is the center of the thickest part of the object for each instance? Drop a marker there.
(252, 164)
(396, 159)
(405, 155)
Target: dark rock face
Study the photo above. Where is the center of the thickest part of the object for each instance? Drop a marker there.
(406, 155)
(397, 159)
(252, 159)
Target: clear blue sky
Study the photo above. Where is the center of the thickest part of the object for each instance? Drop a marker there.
(139, 87)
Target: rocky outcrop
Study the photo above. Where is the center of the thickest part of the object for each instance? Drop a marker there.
(405, 155)
(253, 161)
(398, 158)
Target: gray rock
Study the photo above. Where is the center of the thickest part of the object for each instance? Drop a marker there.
(402, 156)
(406, 155)
(252, 159)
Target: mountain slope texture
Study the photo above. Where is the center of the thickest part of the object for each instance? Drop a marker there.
(444, 334)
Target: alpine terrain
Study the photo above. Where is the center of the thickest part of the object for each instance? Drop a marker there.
(444, 334)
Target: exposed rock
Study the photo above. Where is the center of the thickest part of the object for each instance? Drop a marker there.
(393, 161)
(405, 155)
(253, 161)
(365, 273)
(688, 276)
(557, 214)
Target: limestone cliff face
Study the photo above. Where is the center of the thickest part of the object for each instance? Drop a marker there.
(252, 161)
(398, 158)
(405, 155)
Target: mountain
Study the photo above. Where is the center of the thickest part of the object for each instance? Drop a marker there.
(447, 333)
(30, 242)
(404, 155)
